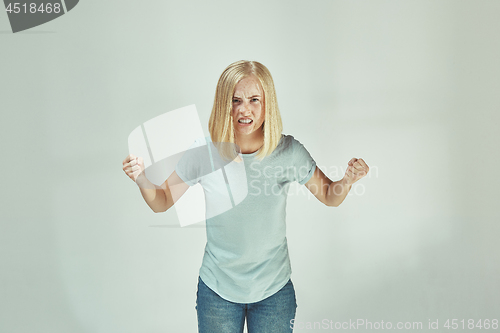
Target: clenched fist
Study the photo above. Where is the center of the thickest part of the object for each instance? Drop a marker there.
(356, 170)
(134, 167)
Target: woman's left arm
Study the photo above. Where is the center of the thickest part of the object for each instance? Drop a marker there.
(333, 193)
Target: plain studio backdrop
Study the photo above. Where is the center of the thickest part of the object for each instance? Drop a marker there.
(409, 86)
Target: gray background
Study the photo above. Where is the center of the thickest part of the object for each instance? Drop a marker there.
(409, 86)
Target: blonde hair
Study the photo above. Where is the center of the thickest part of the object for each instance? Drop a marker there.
(220, 124)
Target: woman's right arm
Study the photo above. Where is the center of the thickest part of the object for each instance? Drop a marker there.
(158, 198)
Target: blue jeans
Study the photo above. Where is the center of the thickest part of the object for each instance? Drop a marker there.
(271, 315)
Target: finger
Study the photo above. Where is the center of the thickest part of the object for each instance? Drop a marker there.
(363, 163)
(133, 170)
(126, 160)
(129, 158)
(350, 171)
(351, 162)
(358, 165)
(128, 170)
(360, 173)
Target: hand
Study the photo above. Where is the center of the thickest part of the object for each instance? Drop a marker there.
(134, 167)
(356, 170)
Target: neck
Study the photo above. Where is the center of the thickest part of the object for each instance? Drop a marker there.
(250, 143)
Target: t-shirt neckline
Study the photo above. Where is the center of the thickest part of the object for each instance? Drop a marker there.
(249, 155)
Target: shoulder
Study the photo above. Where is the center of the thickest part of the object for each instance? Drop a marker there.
(298, 150)
(289, 146)
(290, 142)
(287, 140)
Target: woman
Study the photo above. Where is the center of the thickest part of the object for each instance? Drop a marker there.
(246, 267)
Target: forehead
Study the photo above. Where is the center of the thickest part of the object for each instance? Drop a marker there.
(248, 86)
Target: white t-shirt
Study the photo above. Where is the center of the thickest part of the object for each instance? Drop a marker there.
(246, 256)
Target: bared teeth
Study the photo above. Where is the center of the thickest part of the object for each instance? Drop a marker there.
(245, 121)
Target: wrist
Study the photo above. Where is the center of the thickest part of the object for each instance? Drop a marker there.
(346, 182)
(141, 180)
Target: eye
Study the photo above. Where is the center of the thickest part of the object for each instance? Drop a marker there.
(235, 100)
(255, 99)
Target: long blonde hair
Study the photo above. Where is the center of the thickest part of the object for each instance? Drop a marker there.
(220, 124)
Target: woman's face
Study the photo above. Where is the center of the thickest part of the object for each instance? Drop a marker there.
(248, 106)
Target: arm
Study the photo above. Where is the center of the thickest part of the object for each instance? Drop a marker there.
(158, 198)
(333, 193)
(155, 196)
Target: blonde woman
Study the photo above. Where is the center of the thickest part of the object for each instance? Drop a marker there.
(246, 269)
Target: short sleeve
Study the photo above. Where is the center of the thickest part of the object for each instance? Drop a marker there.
(303, 162)
(188, 168)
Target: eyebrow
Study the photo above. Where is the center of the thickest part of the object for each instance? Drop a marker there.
(249, 97)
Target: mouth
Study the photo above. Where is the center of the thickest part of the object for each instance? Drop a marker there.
(245, 121)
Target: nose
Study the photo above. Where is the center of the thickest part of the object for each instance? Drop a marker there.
(244, 110)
